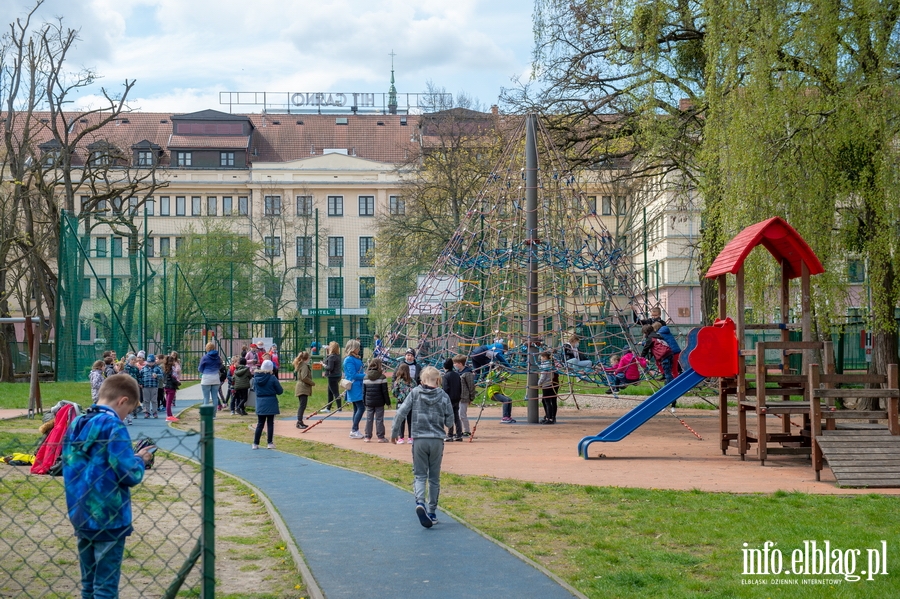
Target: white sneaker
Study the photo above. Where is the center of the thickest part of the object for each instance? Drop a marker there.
(270, 446)
(254, 446)
(324, 411)
(401, 441)
(356, 435)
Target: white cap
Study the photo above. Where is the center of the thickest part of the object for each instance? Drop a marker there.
(267, 366)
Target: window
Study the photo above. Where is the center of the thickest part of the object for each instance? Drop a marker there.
(164, 206)
(116, 286)
(272, 246)
(396, 205)
(84, 330)
(366, 251)
(116, 205)
(304, 205)
(335, 205)
(195, 206)
(621, 204)
(590, 285)
(100, 158)
(211, 206)
(101, 247)
(145, 158)
(243, 206)
(305, 293)
(164, 247)
(304, 251)
(86, 288)
(335, 251)
(606, 205)
(272, 288)
(227, 205)
(335, 292)
(50, 157)
(856, 271)
(149, 248)
(184, 158)
(367, 205)
(366, 291)
(132, 206)
(272, 205)
(101, 287)
(179, 205)
(179, 243)
(116, 247)
(102, 207)
(592, 204)
(149, 207)
(226, 158)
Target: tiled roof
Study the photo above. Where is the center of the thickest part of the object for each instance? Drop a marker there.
(209, 141)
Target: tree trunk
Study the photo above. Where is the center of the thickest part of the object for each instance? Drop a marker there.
(884, 352)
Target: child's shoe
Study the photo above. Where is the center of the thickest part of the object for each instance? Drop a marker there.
(506, 420)
(383, 440)
(270, 446)
(433, 517)
(401, 441)
(467, 434)
(424, 520)
(367, 440)
(458, 438)
(254, 446)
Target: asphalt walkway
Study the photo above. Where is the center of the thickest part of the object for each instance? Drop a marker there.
(360, 535)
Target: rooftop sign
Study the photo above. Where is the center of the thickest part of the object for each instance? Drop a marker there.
(338, 102)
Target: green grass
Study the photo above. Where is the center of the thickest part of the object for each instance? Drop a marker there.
(623, 543)
(15, 395)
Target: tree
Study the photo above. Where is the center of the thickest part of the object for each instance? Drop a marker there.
(457, 149)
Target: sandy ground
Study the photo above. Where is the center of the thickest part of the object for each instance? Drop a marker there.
(662, 454)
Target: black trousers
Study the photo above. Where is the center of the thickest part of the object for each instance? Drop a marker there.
(549, 397)
(267, 420)
(334, 394)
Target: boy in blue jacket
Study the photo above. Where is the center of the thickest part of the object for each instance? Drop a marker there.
(99, 469)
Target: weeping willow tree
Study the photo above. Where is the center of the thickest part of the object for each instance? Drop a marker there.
(803, 123)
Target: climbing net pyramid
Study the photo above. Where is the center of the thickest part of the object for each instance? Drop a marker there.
(476, 292)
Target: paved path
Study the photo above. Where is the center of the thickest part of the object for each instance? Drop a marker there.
(360, 536)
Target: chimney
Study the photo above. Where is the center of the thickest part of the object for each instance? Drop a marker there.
(495, 110)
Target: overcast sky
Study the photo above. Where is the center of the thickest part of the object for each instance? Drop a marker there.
(184, 52)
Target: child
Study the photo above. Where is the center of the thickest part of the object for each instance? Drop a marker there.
(548, 382)
(495, 393)
(573, 356)
(663, 331)
(267, 391)
(403, 384)
(434, 414)
(656, 346)
(467, 379)
(150, 379)
(376, 398)
(304, 386)
(171, 382)
(242, 379)
(626, 371)
(109, 367)
(452, 386)
(99, 467)
(96, 377)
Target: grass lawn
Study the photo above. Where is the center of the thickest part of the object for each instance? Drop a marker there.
(15, 395)
(621, 543)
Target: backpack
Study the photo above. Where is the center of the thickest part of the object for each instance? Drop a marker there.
(661, 349)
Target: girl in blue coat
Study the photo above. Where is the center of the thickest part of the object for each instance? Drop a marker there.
(354, 371)
(267, 391)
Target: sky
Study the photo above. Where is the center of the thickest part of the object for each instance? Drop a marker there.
(182, 53)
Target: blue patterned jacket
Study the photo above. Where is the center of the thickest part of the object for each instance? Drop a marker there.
(99, 468)
(147, 379)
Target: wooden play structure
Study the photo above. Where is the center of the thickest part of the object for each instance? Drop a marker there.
(765, 388)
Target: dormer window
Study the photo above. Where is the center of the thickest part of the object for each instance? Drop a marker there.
(184, 159)
(50, 158)
(145, 158)
(100, 158)
(102, 154)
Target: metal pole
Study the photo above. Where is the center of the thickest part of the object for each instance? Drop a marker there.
(112, 296)
(165, 312)
(531, 224)
(646, 276)
(207, 492)
(316, 316)
(144, 286)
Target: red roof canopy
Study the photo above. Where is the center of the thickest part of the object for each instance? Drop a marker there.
(782, 241)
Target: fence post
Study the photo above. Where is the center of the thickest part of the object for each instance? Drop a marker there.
(207, 513)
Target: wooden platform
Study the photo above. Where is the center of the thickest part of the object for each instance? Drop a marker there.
(864, 457)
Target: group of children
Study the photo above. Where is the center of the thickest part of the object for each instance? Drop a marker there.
(157, 380)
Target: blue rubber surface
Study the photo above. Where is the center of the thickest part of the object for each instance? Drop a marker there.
(360, 536)
(645, 410)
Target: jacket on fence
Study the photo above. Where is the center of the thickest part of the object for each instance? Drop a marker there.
(267, 390)
(242, 377)
(331, 367)
(305, 381)
(375, 389)
(432, 413)
(209, 367)
(99, 469)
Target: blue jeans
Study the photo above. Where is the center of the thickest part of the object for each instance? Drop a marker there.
(101, 565)
(666, 364)
(359, 409)
(210, 394)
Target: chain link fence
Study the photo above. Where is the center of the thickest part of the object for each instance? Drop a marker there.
(171, 509)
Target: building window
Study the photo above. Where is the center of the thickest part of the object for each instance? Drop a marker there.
(335, 251)
(591, 285)
(149, 206)
(335, 292)
(592, 204)
(621, 204)
(85, 330)
(606, 205)
(116, 286)
(211, 206)
(304, 251)
(195, 206)
(164, 207)
(243, 206)
(149, 248)
(856, 271)
(132, 206)
(179, 205)
(100, 158)
(366, 291)
(164, 247)
(335, 205)
(184, 158)
(304, 292)
(179, 244)
(102, 207)
(226, 158)
(86, 289)
(145, 158)
(116, 247)
(272, 205)
(366, 251)
(272, 246)
(396, 205)
(101, 287)
(367, 205)
(272, 288)
(101, 247)
(227, 205)
(304, 205)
